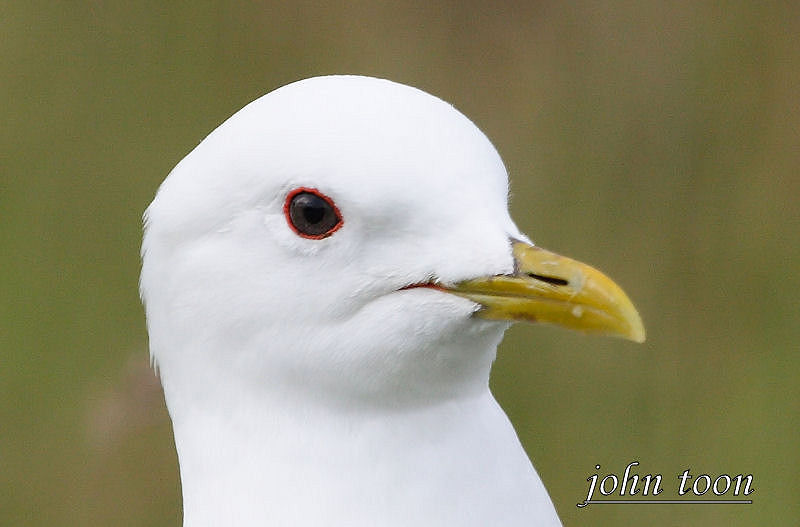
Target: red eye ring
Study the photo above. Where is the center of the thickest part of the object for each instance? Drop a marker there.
(311, 214)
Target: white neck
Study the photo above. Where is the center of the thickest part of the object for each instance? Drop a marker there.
(458, 462)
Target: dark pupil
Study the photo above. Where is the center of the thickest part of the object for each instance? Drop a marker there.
(314, 211)
(311, 214)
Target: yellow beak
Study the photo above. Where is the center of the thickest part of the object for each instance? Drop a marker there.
(549, 288)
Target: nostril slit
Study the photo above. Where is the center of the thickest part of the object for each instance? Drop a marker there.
(549, 279)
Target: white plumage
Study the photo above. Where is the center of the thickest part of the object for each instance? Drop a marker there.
(305, 384)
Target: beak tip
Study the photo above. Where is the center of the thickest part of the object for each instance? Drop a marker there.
(638, 336)
(636, 333)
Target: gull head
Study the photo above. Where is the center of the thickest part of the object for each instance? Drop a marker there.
(347, 240)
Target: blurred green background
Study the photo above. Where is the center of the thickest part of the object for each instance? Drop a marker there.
(658, 141)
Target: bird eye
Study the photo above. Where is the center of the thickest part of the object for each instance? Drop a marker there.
(311, 214)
